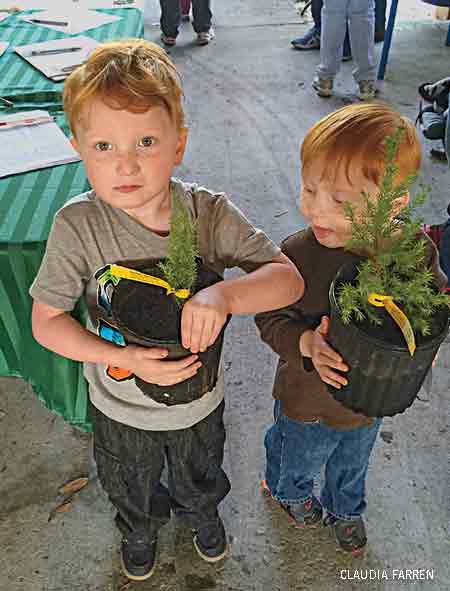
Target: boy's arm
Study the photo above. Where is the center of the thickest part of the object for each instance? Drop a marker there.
(272, 285)
(56, 330)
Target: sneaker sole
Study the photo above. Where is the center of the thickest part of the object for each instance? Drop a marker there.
(136, 577)
(207, 558)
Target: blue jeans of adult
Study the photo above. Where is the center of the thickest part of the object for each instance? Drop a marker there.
(296, 452)
(171, 16)
(360, 15)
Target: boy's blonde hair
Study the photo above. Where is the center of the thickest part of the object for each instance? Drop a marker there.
(132, 74)
(355, 135)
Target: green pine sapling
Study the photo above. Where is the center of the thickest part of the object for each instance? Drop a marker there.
(180, 267)
(397, 260)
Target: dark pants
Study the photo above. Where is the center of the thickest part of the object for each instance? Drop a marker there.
(130, 462)
(171, 16)
(380, 14)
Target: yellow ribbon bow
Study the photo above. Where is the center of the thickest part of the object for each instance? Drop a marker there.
(398, 316)
(125, 273)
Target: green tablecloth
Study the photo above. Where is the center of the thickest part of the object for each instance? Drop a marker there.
(28, 203)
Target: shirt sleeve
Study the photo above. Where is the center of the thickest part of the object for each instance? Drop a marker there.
(281, 329)
(63, 273)
(234, 240)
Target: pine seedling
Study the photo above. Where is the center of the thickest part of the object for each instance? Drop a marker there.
(396, 263)
(180, 267)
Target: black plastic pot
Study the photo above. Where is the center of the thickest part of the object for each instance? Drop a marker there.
(146, 316)
(383, 379)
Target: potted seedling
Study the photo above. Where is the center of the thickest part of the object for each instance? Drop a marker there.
(388, 319)
(146, 303)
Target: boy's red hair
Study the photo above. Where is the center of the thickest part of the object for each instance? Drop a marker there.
(356, 134)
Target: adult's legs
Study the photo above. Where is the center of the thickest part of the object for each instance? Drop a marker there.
(334, 22)
(361, 18)
(170, 17)
(202, 15)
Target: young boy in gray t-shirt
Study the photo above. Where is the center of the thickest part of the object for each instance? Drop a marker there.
(125, 113)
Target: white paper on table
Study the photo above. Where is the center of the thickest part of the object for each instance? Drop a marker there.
(3, 47)
(52, 65)
(33, 147)
(79, 19)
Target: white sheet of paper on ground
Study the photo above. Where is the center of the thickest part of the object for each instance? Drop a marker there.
(48, 4)
(3, 47)
(52, 65)
(3, 15)
(34, 146)
(78, 19)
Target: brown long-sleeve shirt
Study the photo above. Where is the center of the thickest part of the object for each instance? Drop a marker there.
(297, 384)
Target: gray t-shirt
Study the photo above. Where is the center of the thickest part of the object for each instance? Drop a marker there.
(88, 234)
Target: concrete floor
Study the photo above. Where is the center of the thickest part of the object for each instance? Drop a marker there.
(249, 103)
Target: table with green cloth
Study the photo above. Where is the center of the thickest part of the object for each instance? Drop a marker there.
(28, 203)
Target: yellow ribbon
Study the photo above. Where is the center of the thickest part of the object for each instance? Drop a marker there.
(125, 273)
(398, 316)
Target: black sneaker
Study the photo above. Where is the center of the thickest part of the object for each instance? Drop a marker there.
(350, 533)
(138, 556)
(210, 541)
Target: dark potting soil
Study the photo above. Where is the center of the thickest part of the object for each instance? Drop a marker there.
(147, 311)
(390, 332)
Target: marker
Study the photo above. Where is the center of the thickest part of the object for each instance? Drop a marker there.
(55, 51)
(44, 22)
(24, 122)
(70, 68)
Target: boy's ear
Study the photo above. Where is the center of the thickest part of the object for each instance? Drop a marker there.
(400, 203)
(74, 143)
(181, 145)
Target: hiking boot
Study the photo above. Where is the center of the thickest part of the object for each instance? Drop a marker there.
(350, 533)
(205, 37)
(138, 556)
(311, 40)
(367, 90)
(306, 514)
(210, 541)
(168, 41)
(323, 88)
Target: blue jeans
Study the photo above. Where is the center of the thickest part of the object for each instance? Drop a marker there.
(171, 16)
(296, 452)
(360, 15)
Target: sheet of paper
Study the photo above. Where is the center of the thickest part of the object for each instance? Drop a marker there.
(3, 47)
(52, 65)
(47, 4)
(33, 147)
(3, 15)
(78, 19)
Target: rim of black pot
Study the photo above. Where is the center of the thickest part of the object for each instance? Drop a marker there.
(428, 344)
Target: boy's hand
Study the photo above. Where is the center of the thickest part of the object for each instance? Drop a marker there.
(203, 317)
(324, 358)
(150, 366)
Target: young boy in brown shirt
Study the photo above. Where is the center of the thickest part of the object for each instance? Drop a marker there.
(125, 112)
(341, 157)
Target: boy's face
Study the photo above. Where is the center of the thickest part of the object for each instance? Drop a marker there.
(129, 157)
(322, 200)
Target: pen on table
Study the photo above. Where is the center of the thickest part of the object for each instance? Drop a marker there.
(25, 122)
(55, 51)
(44, 22)
(7, 103)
